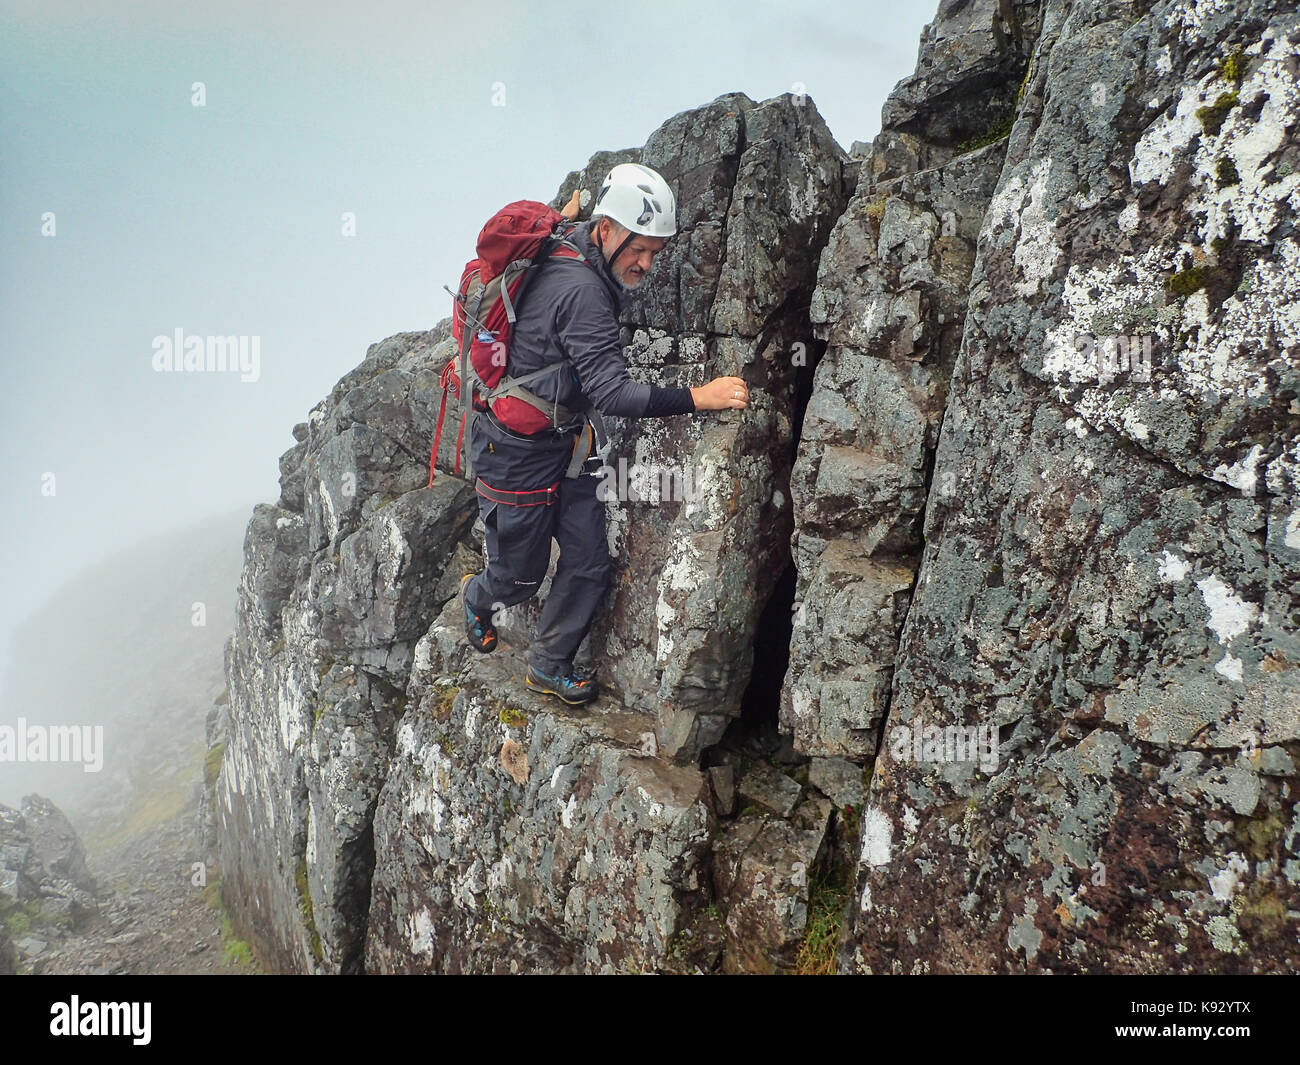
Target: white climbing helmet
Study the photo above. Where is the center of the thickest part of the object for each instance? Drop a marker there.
(638, 199)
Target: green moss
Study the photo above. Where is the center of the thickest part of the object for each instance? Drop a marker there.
(236, 951)
(1220, 244)
(1185, 282)
(992, 135)
(320, 711)
(512, 716)
(305, 908)
(1020, 93)
(1213, 116)
(1257, 835)
(1225, 170)
(876, 210)
(1263, 912)
(212, 764)
(1233, 67)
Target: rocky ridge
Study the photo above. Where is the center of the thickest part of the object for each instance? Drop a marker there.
(976, 649)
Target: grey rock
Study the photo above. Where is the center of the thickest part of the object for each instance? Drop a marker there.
(767, 787)
(1105, 579)
(723, 780)
(838, 779)
(30, 946)
(762, 873)
(43, 863)
(1070, 574)
(56, 849)
(513, 835)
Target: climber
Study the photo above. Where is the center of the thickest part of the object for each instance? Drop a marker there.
(571, 314)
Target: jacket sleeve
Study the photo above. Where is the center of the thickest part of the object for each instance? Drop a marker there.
(587, 330)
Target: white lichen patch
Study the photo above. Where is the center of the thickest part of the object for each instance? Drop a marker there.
(1229, 667)
(877, 836)
(1036, 251)
(1172, 567)
(1230, 615)
(1241, 474)
(1198, 350)
(1251, 204)
(1189, 18)
(420, 931)
(567, 810)
(910, 823)
(652, 807)
(394, 553)
(682, 573)
(327, 512)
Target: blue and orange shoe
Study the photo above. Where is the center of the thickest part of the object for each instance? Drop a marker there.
(570, 688)
(482, 637)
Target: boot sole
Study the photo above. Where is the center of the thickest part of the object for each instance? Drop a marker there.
(538, 686)
(491, 644)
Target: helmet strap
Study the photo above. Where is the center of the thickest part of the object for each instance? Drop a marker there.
(611, 259)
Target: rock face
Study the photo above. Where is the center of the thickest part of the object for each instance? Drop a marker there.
(974, 636)
(344, 765)
(1109, 578)
(43, 866)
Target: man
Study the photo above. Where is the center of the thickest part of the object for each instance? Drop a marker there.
(570, 315)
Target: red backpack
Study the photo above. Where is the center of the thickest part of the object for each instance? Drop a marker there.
(517, 238)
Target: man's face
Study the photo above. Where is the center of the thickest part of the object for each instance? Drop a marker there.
(634, 260)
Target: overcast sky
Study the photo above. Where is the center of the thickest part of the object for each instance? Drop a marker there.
(226, 219)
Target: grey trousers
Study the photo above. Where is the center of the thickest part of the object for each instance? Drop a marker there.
(518, 537)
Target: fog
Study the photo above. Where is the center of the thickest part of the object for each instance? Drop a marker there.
(305, 178)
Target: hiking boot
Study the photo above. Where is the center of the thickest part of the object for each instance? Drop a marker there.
(482, 637)
(570, 688)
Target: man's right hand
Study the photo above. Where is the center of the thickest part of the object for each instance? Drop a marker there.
(722, 393)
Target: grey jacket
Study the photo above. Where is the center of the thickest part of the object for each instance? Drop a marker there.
(571, 310)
